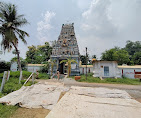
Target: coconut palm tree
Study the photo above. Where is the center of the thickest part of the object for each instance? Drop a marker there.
(68, 61)
(52, 63)
(10, 22)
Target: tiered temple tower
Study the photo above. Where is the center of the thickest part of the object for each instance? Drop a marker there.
(66, 47)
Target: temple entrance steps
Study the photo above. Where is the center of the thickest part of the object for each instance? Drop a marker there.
(61, 76)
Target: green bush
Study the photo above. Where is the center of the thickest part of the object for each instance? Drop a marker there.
(11, 85)
(1, 95)
(92, 79)
(90, 74)
(43, 76)
(16, 74)
(7, 111)
(1, 75)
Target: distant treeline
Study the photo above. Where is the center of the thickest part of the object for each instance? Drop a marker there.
(130, 54)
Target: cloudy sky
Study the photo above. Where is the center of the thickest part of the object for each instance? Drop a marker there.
(99, 24)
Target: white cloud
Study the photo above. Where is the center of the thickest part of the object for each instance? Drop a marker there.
(44, 26)
(96, 19)
(109, 23)
(82, 4)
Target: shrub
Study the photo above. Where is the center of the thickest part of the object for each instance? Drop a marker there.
(7, 111)
(90, 74)
(45, 68)
(124, 80)
(16, 74)
(43, 76)
(11, 85)
(4, 66)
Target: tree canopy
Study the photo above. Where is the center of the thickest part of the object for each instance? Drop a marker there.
(39, 54)
(130, 54)
(10, 21)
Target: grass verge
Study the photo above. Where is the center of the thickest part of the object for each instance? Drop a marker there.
(7, 111)
(91, 79)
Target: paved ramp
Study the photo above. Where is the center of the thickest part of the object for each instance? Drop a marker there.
(40, 95)
(85, 102)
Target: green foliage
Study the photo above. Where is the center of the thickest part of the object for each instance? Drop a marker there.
(7, 111)
(133, 47)
(121, 56)
(23, 62)
(89, 74)
(43, 76)
(4, 66)
(83, 59)
(11, 85)
(137, 58)
(52, 63)
(109, 55)
(1, 95)
(45, 68)
(39, 54)
(116, 54)
(130, 54)
(91, 79)
(68, 61)
(9, 29)
(16, 74)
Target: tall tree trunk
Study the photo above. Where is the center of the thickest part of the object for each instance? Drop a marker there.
(19, 61)
(18, 56)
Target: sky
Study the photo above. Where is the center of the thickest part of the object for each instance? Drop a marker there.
(99, 24)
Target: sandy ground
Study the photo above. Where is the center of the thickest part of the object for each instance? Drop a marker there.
(30, 113)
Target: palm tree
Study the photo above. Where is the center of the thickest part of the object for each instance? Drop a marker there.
(68, 61)
(10, 22)
(53, 63)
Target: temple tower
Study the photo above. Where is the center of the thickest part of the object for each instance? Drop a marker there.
(66, 47)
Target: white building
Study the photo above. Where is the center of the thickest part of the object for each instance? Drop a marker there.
(82, 69)
(129, 71)
(103, 69)
(14, 66)
(34, 67)
(106, 69)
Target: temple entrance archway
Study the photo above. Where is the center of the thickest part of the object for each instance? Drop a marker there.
(62, 68)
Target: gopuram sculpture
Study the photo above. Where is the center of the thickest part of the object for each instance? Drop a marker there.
(66, 47)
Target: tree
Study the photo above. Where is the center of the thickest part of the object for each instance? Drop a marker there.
(45, 68)
(116, 54)
(121, 56)
(94, 56)
(4, 66)
(108, 55)
(83, 59)
(137, 58)
(68, 61)
(52, 63)
(10, 22)
(39, 54)
(30, 54)
(23, 62)
(45, 51)
(133, 47)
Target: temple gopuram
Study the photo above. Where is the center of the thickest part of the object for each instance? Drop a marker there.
(66, 47)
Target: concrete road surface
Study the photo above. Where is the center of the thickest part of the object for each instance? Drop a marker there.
(86, 102)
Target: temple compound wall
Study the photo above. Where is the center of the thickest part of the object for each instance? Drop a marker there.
(66, 47)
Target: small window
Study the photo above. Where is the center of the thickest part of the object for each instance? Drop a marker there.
(106, 70)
